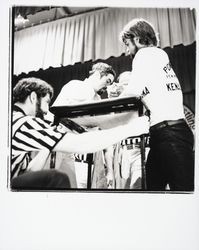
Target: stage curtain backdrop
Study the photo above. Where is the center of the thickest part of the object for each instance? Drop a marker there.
(95, 35)
(183, 60)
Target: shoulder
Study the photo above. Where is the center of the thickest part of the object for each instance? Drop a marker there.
(27, 123)
(71, 86)
(151, 52)
(72, 83)
(36, 123)
(150, 56)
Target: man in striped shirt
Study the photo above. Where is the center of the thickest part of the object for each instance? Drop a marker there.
(30, 133)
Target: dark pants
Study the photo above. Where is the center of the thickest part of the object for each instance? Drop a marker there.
(41, 180)
(171, 159)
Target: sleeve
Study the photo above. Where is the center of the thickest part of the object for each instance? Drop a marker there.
(138, 78)
(135, 84)
(35, 134)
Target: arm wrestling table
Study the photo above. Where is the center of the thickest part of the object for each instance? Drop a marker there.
(106, 113)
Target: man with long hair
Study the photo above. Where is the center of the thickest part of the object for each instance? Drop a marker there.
(171, 159)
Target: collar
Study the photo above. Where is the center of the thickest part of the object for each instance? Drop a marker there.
(18, 109)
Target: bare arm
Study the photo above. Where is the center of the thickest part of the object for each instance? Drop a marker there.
(94, 141)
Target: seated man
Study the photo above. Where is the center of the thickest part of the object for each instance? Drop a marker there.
(76, 91)
(31, 98)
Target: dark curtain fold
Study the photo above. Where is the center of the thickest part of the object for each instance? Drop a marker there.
(183, 60)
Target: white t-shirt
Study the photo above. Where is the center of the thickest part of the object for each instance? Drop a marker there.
(154, 80)
(76, 92)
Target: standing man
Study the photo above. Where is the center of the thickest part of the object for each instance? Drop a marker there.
(171, 157)
(31, 98)
(127, 153)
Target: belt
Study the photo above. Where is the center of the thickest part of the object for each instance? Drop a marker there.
(166, 124)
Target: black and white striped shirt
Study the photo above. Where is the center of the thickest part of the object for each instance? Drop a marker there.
(30, 134)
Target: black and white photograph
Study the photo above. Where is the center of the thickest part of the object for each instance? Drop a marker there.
(89, 112)
(99, 125)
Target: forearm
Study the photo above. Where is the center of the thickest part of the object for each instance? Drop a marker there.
(89, 142)
(94, 141)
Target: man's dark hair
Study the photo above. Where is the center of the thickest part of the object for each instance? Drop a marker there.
(27, 85)
(142, 29)
(103, 68)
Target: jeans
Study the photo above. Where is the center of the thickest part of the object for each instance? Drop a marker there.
(171, 159)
